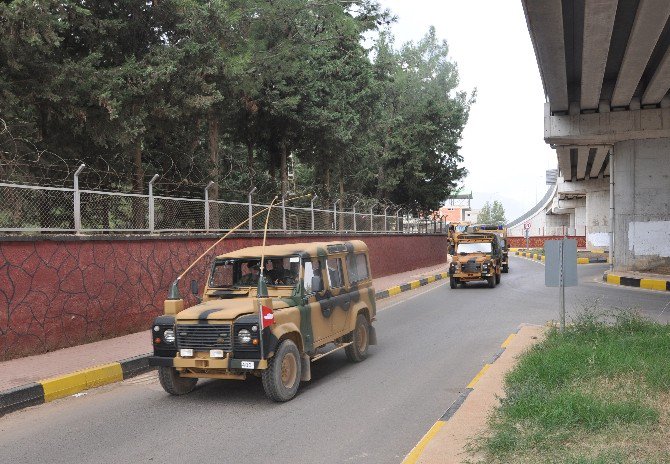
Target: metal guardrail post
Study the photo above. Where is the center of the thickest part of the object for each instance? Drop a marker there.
(211, 182)
(151, 203)
(77, 200)
(312, 209)
(251, 211)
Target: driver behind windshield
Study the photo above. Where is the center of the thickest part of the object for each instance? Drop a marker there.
(251, 278)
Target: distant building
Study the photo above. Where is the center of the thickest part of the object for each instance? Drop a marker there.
(471, 215)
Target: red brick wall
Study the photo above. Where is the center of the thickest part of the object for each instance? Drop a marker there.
(538, 242)
(62, 292)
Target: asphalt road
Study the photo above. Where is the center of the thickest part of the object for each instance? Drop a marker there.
(432, 341)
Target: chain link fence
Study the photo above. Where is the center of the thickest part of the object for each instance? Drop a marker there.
(37, 209)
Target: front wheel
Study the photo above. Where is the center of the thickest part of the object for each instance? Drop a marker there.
(497, 279)
(452, 282)
(505, 268)
(173, 383)
(282, 377)
(360, 338)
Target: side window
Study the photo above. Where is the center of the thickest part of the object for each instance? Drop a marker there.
(335, 277)
(357, 266)
(311, 269)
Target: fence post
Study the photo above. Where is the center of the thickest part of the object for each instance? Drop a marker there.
(211, 182)
(354, 209)
(251, 210)
(397, 220)
(372, 219)
(77, 200)
(312, 208)
(386, 229)
(151, 203)
(335, 215)
(283, 213)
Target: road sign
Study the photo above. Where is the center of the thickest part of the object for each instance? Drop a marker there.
(527, 225)
(560, 269)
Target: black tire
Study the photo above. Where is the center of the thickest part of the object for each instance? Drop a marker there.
(452, 282)
(358, 350)
(492, 281)
(282, 377)
(505, 268)
(463, 283)
(173, 383)
(497, 279)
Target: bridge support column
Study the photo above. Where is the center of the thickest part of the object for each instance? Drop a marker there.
(597, 215)
(642, 204)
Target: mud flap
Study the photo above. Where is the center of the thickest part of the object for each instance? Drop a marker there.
(373, 335)
(306, 365)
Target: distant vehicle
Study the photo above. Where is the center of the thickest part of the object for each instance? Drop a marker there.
(476, 256)
(453, 230)
(317, 298)
(501, 231)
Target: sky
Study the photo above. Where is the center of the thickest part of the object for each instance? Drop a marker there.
(502, 146)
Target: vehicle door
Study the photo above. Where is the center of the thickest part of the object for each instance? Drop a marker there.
(340, 296)
(313, 325)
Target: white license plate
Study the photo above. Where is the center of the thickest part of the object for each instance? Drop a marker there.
(247, 364)
(186, 352)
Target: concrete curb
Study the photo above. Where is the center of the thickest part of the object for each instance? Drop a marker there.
(539, 257)
(662, 285)
(417, 451)
(54, 388)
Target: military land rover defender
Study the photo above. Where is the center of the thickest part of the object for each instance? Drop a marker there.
(316, 298)
(476, 256)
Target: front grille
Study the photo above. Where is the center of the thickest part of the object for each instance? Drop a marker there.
(471, 267)
(204, 337)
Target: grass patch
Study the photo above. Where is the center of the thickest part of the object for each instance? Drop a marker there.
(597, 393)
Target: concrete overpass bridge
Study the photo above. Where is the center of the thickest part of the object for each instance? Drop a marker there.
(605, 67)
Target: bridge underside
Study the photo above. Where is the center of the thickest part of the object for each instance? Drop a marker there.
(605, 66)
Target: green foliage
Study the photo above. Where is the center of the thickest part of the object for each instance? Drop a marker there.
(492, 214)
(594, 379)
(227, 90)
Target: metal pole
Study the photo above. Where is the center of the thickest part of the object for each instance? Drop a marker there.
(283, 213)
(397, 220)
(386, 229)
(611, 250)
(561, 284)
(313, 198)
(335, 215)
(372, 220)
(211, 182)
(151, 203)
(77, 200)
(354, 208)
(251, 211)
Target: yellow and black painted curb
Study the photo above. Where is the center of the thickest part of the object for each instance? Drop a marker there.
(540, 257)
(410, 286)
(650, 284)
(416, 452)
(54, 388)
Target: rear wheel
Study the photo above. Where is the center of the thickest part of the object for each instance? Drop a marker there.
(173, 383)
(282, 377)
(360, 338)
(505, 268)
(452, 282)
(492, 281)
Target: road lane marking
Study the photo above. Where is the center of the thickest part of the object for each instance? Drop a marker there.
(409, 297)
(507, 340)
(416, 452)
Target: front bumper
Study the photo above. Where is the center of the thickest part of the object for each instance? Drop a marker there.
(205, 362)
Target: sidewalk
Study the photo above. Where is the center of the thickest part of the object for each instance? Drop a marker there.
(32, 369)
(646, 280)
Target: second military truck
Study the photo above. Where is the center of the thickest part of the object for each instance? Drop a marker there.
(476, 256)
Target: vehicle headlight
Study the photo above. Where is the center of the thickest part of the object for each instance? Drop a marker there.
(244, 336)
(168, 336)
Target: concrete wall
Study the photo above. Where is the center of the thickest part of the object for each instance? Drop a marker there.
(66, 291)
(642, 204)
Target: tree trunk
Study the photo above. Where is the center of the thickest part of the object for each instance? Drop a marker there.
(214, 217)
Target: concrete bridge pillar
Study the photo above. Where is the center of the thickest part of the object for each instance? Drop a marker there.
(642, 204)
(597, 215)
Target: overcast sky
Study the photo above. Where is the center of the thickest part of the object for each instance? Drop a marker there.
(502, 144)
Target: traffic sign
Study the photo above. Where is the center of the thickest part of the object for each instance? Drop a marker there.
(527, 225)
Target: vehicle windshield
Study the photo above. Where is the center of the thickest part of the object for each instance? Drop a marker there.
(280, 271)
(479, 247)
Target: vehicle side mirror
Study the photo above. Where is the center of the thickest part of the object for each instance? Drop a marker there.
(194, 287)
(452, 250)
(317, 284)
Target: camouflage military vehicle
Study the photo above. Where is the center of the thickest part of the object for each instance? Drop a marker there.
(476, 256)
(317, 298)
(501, 231)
